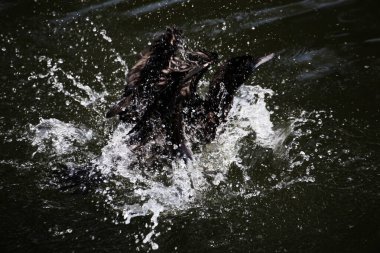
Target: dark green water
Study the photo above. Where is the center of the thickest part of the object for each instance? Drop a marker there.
(295, 169)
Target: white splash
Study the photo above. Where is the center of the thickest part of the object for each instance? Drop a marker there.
(70, 84)
(249, 114)
(301, 158)
(154, 196)
(187, 184)
(57, 137)
(61, 80)
(148, 195)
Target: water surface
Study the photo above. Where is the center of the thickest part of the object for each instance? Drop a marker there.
(295, 168)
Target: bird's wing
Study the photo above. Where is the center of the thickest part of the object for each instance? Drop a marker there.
(143, 77)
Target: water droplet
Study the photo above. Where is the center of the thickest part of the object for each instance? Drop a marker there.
(154, 246)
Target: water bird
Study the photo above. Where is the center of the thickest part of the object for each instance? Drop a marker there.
(161, 98)
(144, 80)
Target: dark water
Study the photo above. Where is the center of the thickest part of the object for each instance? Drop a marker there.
(295, 169)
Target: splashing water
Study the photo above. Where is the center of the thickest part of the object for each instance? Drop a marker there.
(285, 156)
(149, 194)
(57, 137)
(52, 76)
(146, 193)
(248, 114)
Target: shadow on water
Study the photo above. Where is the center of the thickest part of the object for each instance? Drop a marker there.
(294, 169)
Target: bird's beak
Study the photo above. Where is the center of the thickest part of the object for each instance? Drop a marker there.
(263, 60)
